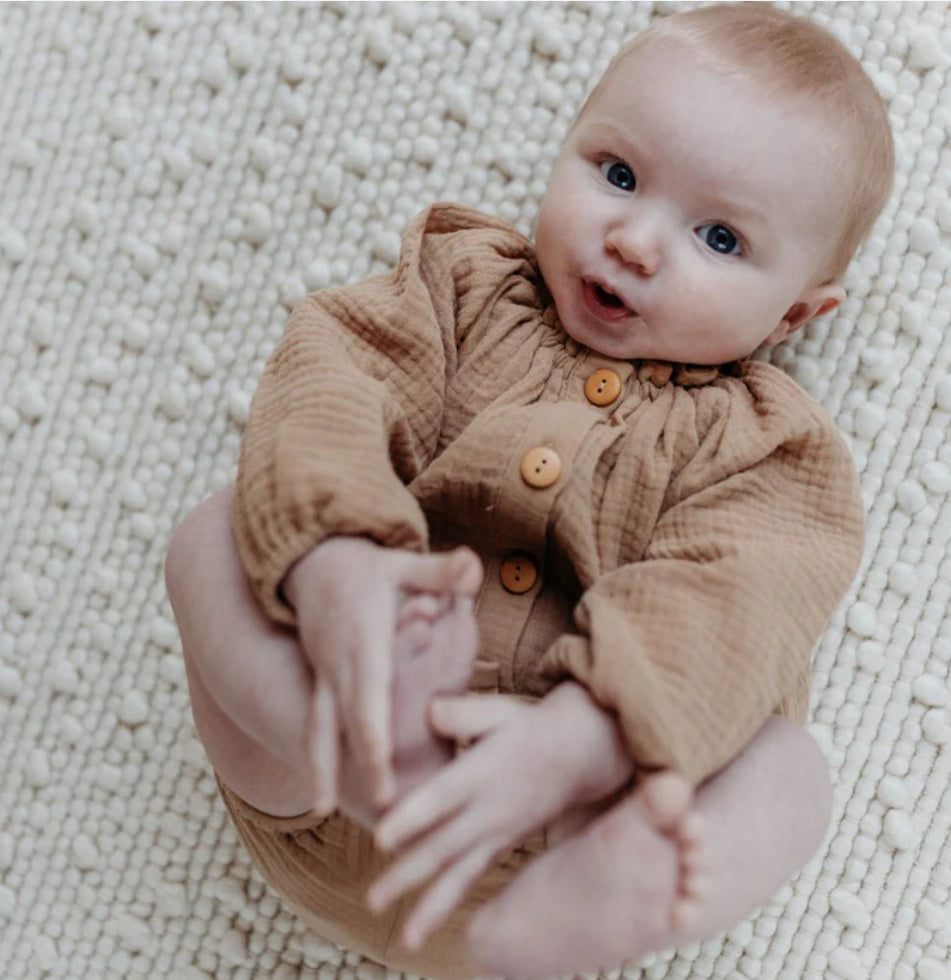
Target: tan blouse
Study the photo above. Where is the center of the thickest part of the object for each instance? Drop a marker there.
(688, 538)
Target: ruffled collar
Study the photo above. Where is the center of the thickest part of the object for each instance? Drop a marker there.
(662, 373)
(656, 373)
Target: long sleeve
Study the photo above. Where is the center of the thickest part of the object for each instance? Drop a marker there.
(697, 643)
(350, 404)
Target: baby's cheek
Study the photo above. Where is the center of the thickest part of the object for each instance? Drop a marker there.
(698, 303)
(714, 327)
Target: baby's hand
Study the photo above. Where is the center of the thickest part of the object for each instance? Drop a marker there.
(347, 593)
(491, 797)
(531, 762)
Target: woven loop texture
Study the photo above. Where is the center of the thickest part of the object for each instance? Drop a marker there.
(173, 178)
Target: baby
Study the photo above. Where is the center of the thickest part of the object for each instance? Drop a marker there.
(550, 475)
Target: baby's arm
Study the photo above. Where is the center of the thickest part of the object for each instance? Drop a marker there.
(347, 413)
(694, 642)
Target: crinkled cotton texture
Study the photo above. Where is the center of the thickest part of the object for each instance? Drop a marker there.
(701, 531)
(174, 179)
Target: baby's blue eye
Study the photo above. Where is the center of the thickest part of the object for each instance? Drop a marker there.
(619, 174)
(720, 239)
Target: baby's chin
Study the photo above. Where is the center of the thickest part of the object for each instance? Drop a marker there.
(631, 342)
(602, 342)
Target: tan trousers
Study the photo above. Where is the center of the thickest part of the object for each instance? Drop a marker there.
(324, 866)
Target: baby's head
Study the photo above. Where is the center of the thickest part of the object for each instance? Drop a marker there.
(714, 187)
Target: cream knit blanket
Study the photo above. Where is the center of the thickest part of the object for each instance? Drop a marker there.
(173, 178)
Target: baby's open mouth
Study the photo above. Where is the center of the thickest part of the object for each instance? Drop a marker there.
(609, 299)
(603, 303)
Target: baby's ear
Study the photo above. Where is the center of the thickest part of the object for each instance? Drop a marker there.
(814, 301)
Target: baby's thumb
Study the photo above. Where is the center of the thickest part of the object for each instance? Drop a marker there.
(458, 571)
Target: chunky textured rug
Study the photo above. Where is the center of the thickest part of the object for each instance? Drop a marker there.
(173, 178)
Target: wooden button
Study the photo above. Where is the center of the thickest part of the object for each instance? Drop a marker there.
(518, 574)
(540, 467)
(602, 387)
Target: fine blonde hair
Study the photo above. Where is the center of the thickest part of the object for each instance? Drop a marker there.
(799, 58)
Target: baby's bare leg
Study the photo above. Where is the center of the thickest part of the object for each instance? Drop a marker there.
(252, 688)
(655, 871)
(250, 685)
(258, 776)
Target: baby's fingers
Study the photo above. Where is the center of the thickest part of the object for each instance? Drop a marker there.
(437, 904)
(434, 801)
(472, 716)
(368, 728)
(364, 681)
(422, 607)
(325, 748)
(409, 871)
(458, 571)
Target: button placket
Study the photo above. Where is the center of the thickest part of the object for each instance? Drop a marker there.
(536, 472)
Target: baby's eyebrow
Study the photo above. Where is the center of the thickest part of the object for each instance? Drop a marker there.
(744, 212)
(607, 132)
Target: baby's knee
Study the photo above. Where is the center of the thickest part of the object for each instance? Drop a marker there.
(188, 546)
(817, 779)
(797, 755)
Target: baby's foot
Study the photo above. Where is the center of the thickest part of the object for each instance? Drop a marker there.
(434, 649)
(666, 799)
(628, 884)
(420, 607)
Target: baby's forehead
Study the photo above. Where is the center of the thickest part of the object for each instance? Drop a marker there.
(699, 82)
(761, 81)
(734, 107)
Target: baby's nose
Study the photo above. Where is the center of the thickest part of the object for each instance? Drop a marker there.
(637, 245)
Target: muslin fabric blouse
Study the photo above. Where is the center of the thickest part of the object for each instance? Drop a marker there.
(703, 526)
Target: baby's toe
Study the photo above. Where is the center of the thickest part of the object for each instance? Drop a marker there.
(420, 606)
(690, 831)
(686, 916)
(666, 797)
(412, 638)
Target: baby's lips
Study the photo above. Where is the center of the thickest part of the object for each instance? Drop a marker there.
(595, 293)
